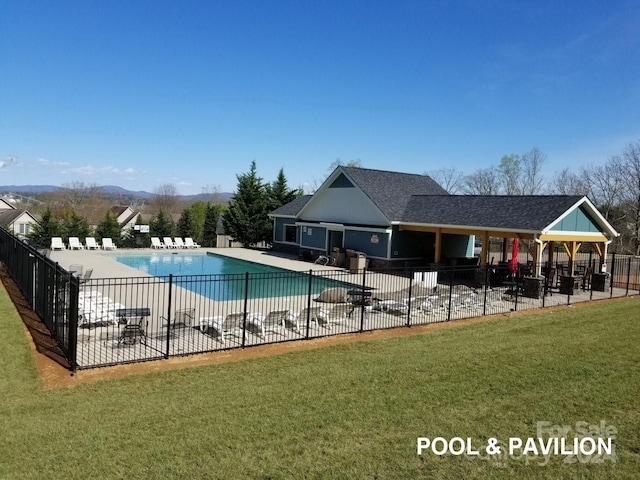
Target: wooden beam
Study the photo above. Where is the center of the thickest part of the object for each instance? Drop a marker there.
(568, 237)
(438, 252)
(466, 231)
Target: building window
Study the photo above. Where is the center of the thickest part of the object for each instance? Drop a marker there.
(290, 234)
(23, 229)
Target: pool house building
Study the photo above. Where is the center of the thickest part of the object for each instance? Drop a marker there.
(398, 219)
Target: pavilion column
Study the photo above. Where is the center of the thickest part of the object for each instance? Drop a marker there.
(438, 246)
(504, 248)
(484, 256)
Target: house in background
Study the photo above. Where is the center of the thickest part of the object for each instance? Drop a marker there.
(126, 216)
(400, 219)
(18, 221)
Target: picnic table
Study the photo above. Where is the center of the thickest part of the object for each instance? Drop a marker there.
(134, 324)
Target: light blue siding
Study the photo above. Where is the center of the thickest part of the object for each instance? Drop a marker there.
(577, 221)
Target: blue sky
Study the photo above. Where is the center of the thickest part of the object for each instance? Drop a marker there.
(140, 94)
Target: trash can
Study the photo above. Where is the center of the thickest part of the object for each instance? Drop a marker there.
(533, 287)
(358, 261)
(598, 281)
(338, 257)
(567, 284)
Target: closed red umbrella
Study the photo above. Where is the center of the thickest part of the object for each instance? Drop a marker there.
(513, 264)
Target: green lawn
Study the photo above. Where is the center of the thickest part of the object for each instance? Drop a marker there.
(349, 411)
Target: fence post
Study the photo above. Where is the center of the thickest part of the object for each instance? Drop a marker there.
(411, 277)
(246, 304)
(169, 315)
(628, 275)
(450, 293)
(309, 302)
(364, 284)
(72, 335)
(486, 288)
(517, 288)
(613, 270)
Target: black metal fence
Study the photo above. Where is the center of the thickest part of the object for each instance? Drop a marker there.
(108, 321)
(51, 291)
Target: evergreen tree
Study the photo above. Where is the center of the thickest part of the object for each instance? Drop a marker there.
(77, 226)
(186, 227)
(246, 219)
(109, 228)
(209, 237)
(198, 214)
(46, 228)
(280, 193)
(161, 225)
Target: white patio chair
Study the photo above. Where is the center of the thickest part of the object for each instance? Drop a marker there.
(156, 243)
(317, 314)
(108, 244)
(280, 320)
(74, 244)
(189, 243)
(178, 242)
(57, 243)
(91, 243)
(213, 326)
(168, 243)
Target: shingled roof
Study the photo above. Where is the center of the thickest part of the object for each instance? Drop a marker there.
(526, 212)
(391, 191)
(292, 208)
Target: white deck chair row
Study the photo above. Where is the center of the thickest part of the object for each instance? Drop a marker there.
(75, 244)
(281, 321)
(177, 242)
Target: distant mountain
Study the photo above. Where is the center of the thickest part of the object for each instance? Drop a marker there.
(109, 190)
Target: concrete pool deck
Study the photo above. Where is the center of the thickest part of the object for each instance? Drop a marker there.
(106, 266)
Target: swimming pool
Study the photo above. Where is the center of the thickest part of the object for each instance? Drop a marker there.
(224, 278)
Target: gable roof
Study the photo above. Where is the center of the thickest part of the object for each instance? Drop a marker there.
(388, 191)
(9, 216)
(391, 191)
(535, 213)
(5, 205)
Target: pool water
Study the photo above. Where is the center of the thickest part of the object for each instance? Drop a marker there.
(224, 278)
(165, 264)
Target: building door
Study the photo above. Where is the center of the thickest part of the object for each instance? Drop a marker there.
(335, 240)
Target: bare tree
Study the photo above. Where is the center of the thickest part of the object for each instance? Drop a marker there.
(509, 174)
(630, 165)
(566, 182)
(532, 181)
(482, 182)
(606, 185)
(165, 198)
(451, 179)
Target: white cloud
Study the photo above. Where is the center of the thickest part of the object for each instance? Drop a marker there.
(43, 161)
(10, 160)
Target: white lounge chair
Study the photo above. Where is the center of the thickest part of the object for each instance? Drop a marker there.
(57, 243)
(279, 320)
(178, 242)
(213, 326)
(108, 244)
(189, 243)
(74, 244)
(232, 324)
(317, 314)
(91, 243)
(168, 243)
(156, 243)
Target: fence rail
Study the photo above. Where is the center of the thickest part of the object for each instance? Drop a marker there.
(109, 321)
